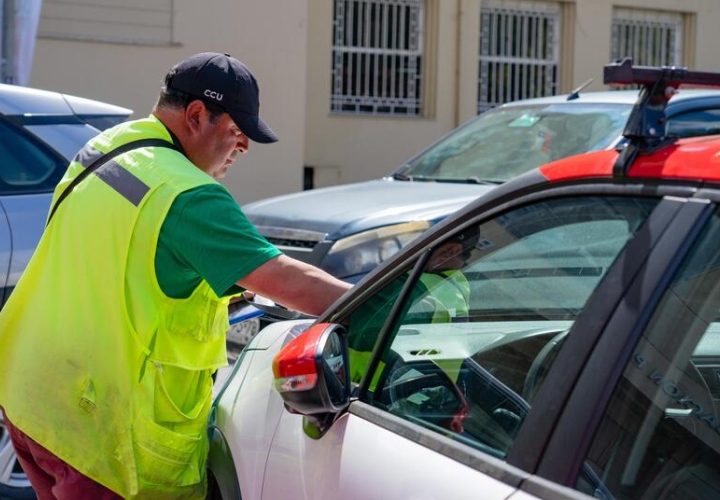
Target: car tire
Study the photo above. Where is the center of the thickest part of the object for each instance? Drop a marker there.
(14, 484)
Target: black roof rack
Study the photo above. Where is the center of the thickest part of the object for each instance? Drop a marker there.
(645, 129)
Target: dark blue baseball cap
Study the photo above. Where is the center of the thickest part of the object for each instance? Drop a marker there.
(225, 81)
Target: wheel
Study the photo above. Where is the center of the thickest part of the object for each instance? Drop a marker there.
(14, 483)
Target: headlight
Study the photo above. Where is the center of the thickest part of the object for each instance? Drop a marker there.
(360, 253)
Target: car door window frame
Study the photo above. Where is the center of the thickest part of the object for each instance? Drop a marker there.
(584, 406)
(501, 202)
(573, 354)
(389, 328)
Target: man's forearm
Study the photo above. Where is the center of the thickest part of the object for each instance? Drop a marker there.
(295, 284)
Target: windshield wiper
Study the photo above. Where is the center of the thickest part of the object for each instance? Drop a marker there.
(478, 180)
(413, 178)
(467, 180)
(402, 177)
(470, 180)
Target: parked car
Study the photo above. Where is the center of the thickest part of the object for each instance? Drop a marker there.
(40, 132)
(557, 338)
(349, 229)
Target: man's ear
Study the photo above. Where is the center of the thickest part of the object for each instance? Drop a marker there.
(194, 113)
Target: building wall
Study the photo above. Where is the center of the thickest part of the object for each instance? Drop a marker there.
(269, 36)
(288, 44)
(351, 148)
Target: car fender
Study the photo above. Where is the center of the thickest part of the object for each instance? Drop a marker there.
(248, 409)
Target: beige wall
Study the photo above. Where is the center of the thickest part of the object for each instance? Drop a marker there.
(287, 43)
(362, 147)
(351, 148)
(592, 35)
(269, 36)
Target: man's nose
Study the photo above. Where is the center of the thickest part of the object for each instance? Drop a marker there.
(243, 144)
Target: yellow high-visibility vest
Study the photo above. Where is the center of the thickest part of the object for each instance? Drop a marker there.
(98, 364)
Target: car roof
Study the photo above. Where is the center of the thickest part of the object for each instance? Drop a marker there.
(613, 97)
(694, 159)
(16, 100)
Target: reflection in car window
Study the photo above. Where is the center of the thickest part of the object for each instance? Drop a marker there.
(484, 321)
(660, 435)
(694, 123)
(25, 165)
(65, 138)
(365, 324)
(486, 149)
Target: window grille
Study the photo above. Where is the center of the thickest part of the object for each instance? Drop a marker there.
(651, 38)
(519, 51)
(377, 57)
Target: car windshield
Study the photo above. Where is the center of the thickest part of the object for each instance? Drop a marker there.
(506, 142)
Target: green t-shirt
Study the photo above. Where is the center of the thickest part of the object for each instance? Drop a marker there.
(206, 235)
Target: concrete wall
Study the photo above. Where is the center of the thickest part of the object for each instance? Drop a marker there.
(362, 147)
(346, 148)
(288, 44)
(592, 35)
(269, 36)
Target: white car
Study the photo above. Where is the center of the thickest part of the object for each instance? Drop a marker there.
(557, 338)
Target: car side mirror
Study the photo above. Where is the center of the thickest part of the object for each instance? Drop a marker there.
(312, 375)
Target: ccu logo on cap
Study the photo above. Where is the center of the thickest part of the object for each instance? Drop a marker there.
(213, 95)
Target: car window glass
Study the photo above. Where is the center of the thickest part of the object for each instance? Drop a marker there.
(660, 434)
(486, 317)
(487, 148)
(26, 166)
(66, 138)
(693, 123)
(365, 323)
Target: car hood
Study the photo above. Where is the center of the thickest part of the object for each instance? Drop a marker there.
(348, 209)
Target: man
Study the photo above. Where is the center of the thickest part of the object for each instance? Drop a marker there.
(110, 339)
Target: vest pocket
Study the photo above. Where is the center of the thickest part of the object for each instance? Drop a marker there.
(203, 316)
(182, 396)
(164, 457)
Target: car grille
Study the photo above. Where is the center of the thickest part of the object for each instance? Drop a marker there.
(299, 240)
(285, 242)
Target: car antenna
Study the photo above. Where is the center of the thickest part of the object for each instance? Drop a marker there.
(645, 128)
(576, 93)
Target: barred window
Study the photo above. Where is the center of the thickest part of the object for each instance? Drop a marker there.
(377, 57)
(519, 51)
(651, 38)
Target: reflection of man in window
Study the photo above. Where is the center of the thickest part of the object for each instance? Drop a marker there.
(441, 295)
(446, 288)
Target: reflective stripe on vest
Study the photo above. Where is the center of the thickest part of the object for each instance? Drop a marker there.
(116, 176)
(122, 181)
